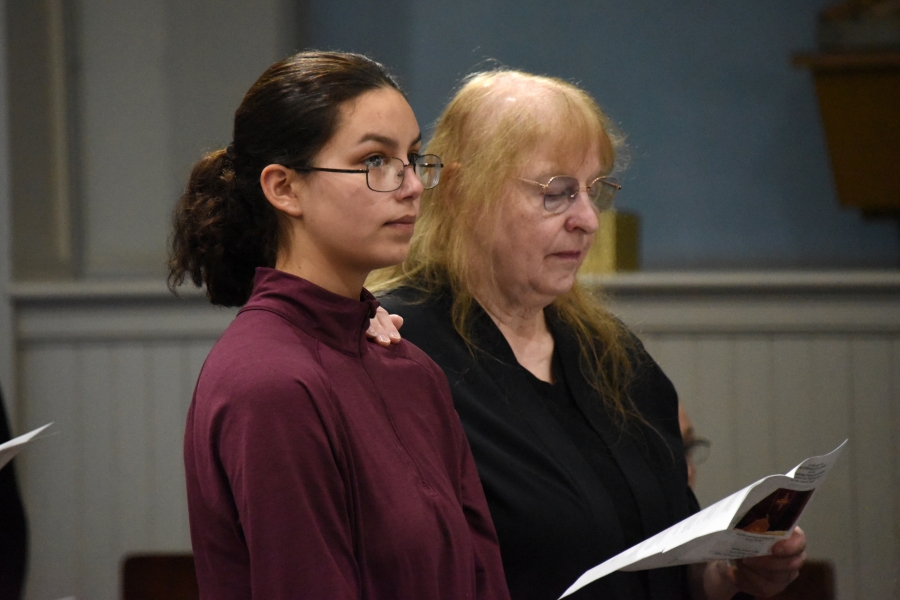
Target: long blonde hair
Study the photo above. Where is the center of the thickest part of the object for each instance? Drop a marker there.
(484, 137)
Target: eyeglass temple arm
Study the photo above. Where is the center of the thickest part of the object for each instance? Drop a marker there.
(331, 170)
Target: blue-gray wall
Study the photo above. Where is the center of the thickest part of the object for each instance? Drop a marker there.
(729, 167)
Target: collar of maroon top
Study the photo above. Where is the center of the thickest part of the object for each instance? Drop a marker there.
(338, 321)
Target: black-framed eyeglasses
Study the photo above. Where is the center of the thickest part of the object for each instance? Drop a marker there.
(388, 175)
(562, 191)
(697, 450)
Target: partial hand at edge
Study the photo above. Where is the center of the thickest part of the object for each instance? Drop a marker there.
(760, 576)
(384, 328)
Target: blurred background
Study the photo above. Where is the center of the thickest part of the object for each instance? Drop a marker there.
(774, 308)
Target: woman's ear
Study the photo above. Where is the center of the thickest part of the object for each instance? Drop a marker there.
(279, 184)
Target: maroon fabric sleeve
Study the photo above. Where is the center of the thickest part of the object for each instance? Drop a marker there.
(288, 493)
(488, 566)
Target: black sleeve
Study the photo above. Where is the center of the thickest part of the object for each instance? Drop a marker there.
(13, 529)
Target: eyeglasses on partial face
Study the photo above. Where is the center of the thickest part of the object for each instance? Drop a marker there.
(386, 173)
(697, 450)
(562, 191)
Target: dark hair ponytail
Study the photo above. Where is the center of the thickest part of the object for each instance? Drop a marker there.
(223, 225)
(219, 239)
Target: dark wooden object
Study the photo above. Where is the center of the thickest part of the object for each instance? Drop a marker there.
(159, 577)
(859, 100)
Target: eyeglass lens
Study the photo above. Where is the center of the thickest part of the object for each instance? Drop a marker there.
(562, 191)
(697, 450)
(389, 176)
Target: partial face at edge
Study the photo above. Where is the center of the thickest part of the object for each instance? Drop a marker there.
(687, 436)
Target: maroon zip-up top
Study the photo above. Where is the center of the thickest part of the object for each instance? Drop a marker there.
(321, 465)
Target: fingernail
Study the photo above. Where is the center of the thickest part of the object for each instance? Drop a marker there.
(384, 339)
(395, 336)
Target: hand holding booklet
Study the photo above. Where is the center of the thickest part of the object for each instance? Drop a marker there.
(9, 449)
(746, 523)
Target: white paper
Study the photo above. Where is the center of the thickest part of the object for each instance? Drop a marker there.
(9, 449)
(746, 523)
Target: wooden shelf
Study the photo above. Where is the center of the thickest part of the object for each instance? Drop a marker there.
(859, 100)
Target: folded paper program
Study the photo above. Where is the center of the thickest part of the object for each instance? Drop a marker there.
(746, 523)
(9, 449)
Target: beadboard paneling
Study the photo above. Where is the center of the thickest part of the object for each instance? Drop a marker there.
(769, 401)
(114, 370)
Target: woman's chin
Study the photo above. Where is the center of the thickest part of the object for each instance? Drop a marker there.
(389, 258)
(560, 287)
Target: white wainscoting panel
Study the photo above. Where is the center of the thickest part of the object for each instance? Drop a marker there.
(114, 371)
(772, 367)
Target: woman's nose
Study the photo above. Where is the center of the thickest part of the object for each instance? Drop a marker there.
(583, 214)
(411, 185)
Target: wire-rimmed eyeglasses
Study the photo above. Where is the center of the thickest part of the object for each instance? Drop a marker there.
(562, 191)
(697, 450)
(388, 176)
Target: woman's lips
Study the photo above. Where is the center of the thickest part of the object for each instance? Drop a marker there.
(568, 254)
(408, 222)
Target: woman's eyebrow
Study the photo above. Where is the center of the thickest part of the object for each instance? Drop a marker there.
(387, 141)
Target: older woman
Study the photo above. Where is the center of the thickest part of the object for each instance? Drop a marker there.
(573, 426)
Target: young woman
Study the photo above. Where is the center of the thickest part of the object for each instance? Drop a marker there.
(321, 465)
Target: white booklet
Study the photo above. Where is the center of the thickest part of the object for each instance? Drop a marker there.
(746, 523)
(9, 449)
